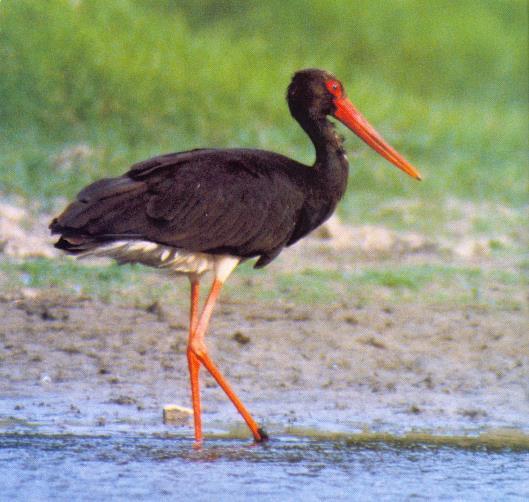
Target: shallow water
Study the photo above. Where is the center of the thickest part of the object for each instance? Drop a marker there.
(35, 466)
(50, 450)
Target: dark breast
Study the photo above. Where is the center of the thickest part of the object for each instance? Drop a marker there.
(241, 202)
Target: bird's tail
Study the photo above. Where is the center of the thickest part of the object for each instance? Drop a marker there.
(100, 214)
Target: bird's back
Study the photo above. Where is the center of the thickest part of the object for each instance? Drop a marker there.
(240, 202)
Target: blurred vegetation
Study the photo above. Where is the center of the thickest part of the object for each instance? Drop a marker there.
(446, 83)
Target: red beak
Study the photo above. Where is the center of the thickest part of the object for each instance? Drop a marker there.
(353, 119)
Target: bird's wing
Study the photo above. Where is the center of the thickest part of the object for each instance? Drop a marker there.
(210, 201)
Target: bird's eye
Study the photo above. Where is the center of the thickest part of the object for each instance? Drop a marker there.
(334, 87)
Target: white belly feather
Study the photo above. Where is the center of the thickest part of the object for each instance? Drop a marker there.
(175, 260)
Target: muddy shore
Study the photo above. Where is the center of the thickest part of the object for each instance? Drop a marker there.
(397, 367)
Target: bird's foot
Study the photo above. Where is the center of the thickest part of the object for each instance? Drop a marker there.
(263, 436)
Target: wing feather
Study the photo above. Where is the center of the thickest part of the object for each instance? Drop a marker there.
(244, 202)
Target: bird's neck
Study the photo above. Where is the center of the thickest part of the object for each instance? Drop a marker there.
(331, 164)
(328, 180)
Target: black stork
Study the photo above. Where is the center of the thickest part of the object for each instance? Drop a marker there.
(210, 209)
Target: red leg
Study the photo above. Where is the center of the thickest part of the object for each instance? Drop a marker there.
(197, 347)
(192, 360)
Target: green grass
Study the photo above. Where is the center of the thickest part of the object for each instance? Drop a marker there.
(445, 82)
(438, 284)
(102, 282)
(494, 288)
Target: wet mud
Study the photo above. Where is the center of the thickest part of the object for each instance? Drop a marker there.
(71, 363)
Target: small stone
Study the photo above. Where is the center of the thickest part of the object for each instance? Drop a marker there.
(240, 338)
(157, 310)
(351, 319)
(124, 400)
(30, 293)
(373, 342)
(174, 414)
